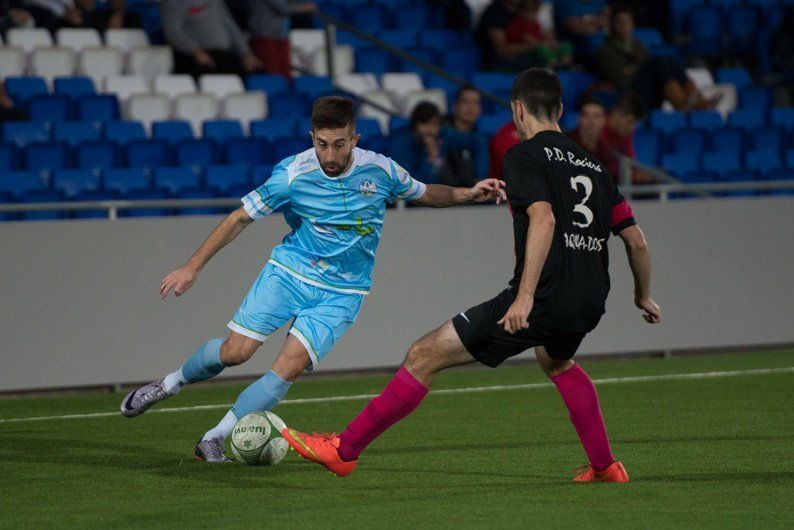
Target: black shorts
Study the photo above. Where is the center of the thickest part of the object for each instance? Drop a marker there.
(490, 344)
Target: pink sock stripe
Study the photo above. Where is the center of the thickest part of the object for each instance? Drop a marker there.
(570, 378)
(417, 389)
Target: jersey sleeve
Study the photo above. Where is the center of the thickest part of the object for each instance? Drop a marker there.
(622, 215)
(403, 185)
(270, 196)
(524, 178)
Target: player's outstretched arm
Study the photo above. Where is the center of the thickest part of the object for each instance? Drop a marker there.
(183, 278)
(640, 262)
(440, 196)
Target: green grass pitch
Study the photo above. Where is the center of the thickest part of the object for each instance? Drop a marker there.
(701, 453)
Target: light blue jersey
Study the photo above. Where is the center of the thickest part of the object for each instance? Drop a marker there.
(336, 221)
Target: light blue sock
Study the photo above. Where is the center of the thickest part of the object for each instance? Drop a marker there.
(263, 394)
(205, 363)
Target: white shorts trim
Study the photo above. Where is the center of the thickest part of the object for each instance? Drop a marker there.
(304, 279)
(251, 334)
(306, 344)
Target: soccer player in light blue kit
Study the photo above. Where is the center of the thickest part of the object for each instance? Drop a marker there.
(334, 198)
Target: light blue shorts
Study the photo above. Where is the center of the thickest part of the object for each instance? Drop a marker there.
(321, 316)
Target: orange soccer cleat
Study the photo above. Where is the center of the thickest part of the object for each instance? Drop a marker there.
(321, 448)
(614, 473)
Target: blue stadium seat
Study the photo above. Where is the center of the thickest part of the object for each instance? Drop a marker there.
(288, 147)
(688, 141)
(439, 39)
(679, 9)
(125, 179)
(148, 153)
(21, 89)
(289, 105)
(98, 154)
(790, 158)
(274, 128)
(21, 133)
(345, 37)
(412, 18)
(396, 123)
(196, 153)
(492, 81)
(46, 156)
(42, 195)
(746, 118)
(369, 18)
(649, 36)
(373, 60)
(144, 195)
(270, 83)
(425, 54)
(667, 122)
(742, 25)
(763, 161)
(729, 139)
(784, 117)
(568, 122)
(198, 193)
(706, 119)
(223, 178)
(72, 182)
(490, 123)
(375, 142)
(50, 108)
(103, 107)
(76, 132)
(123, 132)
(461, 62)
(8, 157)
(368, 127)
(93, 195)
(172, 131)
(176, 179)
(680, 164)
(722, 162)
(705, 26)
(574, 84)
(767, 138)
(74, 87)
(260, 173)
(222, 130)
(738, 76)
(756, 97)
(246, 151)
(648, 145)
(313, 86)
(697, 177)
(17, 182)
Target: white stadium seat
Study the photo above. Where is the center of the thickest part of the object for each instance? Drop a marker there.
(245, 106)
(382, 99)
(357, 83)
(433, 95)
(400, 84)
(126, 39)
(148, 108)
(27, 39)
(125, 86)
(98, 62)
(12, 61)
(344, 60)
(78, 38)
(151, 61)
(53, 62)
(220, 84)
(303, 43)
(174, 85)
(196, 109)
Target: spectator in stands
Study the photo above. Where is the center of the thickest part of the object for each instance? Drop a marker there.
(617, 135)
(269, 26)
(457, 13)
(112, 15)
(466, 109)
(433, 153)
(497, 53)
(54, 14)
(13, 15)
(626, 63)
(505, 138)
(525, 28)
(7, 110)
(583, 22)
(205, 38)
(592, 120)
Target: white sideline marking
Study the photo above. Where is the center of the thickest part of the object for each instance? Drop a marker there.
(468, 390)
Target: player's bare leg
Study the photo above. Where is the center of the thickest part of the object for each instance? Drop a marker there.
(434, 352)
(581, 398)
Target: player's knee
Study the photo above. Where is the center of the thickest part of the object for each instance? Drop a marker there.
(235, 354)
(419, 359)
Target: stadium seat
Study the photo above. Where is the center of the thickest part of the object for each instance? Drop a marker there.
(274, 128)
(739, 77)
(176, 179)
(490, 123)
(74, 87)
(305, 41)
(439, 39)
(124, 180)
(223, 178)
(17, 182)
(93, 195)
(369, 18)
(100, 107)
(574, 84)
(50, 108)
(313, 86)
(568, 122)
(492, 81)
(148, 153)
(222, 130)
(245, 107)
(246, 151)
(268, 83)
(123, 132)
(220, 85)
(399, 38)
(8, 157)
(763, 161)
(75, 181)
(400, 84)
(722, 162)
(75, 132)
(411, 18)
(100, 62)
(368, 127)
(698, 177)
(688, 141)
(146, 194)
(286, 105)
(373, 60)
(45, 156)
(42, 195)
(196, 109)
(126, 39)
(705, 26)
(260, 173)
(174, 85)
(12, 61)
(148, 108)
(790, 158)
(29, 38)
(680, 164)
(172, 131)
(783, 117)
(755, 97)
(706, 119)
(99, 154)
(742, 25)
(21, 133)
(728, 139)
(289, 146)
(767, 138)
(150, 62)
(383, 101)
(357, 83)
(433, 95)
(667, 122)
(78, 38)
(649, 36)
(21, 89)
(344, 60)
(196, 153)
(461, 62)
(198, 193)
(125, 86)
(648, 145)
(746, 118)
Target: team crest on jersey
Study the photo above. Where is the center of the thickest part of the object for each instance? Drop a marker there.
(368, 188)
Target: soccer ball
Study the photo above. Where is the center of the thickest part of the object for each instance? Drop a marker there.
(257, 441)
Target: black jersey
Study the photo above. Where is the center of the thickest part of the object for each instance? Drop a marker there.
(574, 283)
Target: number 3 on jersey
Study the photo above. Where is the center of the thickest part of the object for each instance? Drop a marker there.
(587, 184)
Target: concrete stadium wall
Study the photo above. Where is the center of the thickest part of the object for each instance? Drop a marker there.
(79, 304)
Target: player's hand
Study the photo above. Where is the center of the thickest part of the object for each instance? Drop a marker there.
(488, 190)
(653, 313)
(517, 316)
(180, 281)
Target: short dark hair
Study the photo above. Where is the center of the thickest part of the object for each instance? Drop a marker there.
(333, 112)
(540, 91)
(590, 100)
(424, 112)
(630, 103)
(465, 88)
(618, 10)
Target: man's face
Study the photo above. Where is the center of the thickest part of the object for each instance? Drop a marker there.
(591, 119)
(334, 148)
(623, 25)
(468, 107)
(622, 123)
(429, 130)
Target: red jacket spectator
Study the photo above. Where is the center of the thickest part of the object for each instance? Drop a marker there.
(505, 138)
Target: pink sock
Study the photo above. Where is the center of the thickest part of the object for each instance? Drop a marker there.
(581, 398)
(400, 397)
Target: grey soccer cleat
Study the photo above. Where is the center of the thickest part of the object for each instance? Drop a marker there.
(211, 451)
(138, 401)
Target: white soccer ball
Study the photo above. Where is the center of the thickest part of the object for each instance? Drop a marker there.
(256, 439)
